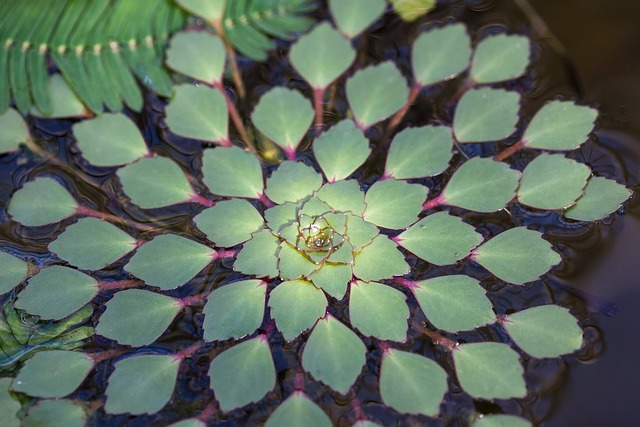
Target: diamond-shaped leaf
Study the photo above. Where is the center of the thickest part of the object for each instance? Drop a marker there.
(360, 232)
(280, 216)
(168, 261)
(517, 255)
(294, 264)
(333, 278)
(376, 92)
(601, 197)
(197, 54)
(489, 370)
(298, 410)
(232, 172)
(394, 204)
(198, 112)
(229, 222)
(440, 54)
(334, 354)
(544, 331)
(125, 322)
(243, 374)
(9, 405)
(341, 150)
(64, 101)
(412, 384)
(111, 139)
(474, 122)
(56, 292)
(259, 255)
(141, 384)
(12, 272)
(551, 181)
(92, 244)
(378, 310)
(560, 125)
(454, 303)
(482, 185)
(284, 116)
(41, 201)
(380, 259)
(354, 16)
(234, 310)
(65, 412)
(53, 373)
(343, 196)
(291, 182)
(295, 307)
(14, 131)
(321, 55)
(440, 239)
(500, 57)
(409, 10)
(155, 182)
(419, 152)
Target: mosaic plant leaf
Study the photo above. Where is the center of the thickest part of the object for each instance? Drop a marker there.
(111, 139)
(295, 306)
(344, 196)
(394, 204)
(12, 272)
(291, 182)
(496, 123)
(210, 10)
(601, 197)
(41, 201)
(378, 260)
(259, 255)
(14, 131)
(378, 310)
(9, 405)
(197, 54)
(440, 54)
(298, 410)
(355, 16)
(64, 103)
(64, 412)
(419, 152)
(229, 222)
(232, 172)
(560, 125)
(341, 150)
(410, 10)
(500, 57)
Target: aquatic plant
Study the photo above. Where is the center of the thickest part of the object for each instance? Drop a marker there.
(313, 252)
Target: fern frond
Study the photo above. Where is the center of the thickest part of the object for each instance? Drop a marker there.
(97, 45)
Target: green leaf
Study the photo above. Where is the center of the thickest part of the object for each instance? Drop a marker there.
(124, 321)
(544, 331)
(341, 150)
(229, 222)
(412, 384)
(243, 374)
(376, 92)
(333, 278)
(361, 232)
(41, 201)
(481, 185)
(369, 423)
(441, 54)
(56, 292)
(409, 10)
(500, 57)
(284, 116)
(560, 125)
(190, 422)
(321, 56)
(64, 412)
(232, 172)
(551, 181)
(198, 112)
(259, 256)
(380, 259)
(12, 272)
(334, 354)
(394, 204)
(474, 122)
(517, 255)
(64, 101)
(489, 370)
(92, 244)
(280, 216)
(210, 10)
(54, 373)
(378, 310)
(440, 238)
(141, 384)
(14, 131)
(168, 261)
(419, 152)
(234, 310)
(501, 420)
(295, 307)
(343, 196)
(354, 16)
(454, 303)
(298, 410)
(197, 54)
(155, 182)
(111, 139)
(293, 264)
(8, 405)
(601, 198)
(291, 182)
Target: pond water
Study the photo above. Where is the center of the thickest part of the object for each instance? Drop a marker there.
(596, 281)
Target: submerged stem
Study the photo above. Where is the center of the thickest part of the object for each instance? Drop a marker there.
(85, 211)
(233, 61)
(119, 284)
(397, 118)
(237, 120)
(512, 149)
(318, 98)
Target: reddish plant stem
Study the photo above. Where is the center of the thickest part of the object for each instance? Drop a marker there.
(202, 200)
(512, 149)
(189, 351)
(85, 211)
(397, 118)
(235, 71)
(265, 200)
(192, 299)
(109, 354)
(433, 203)
(356, 406)
(119, 284)
(439, 339)
(318, 98)
(235, 117)
(224, 253)
(298, 382)
(208, 412)
(405, 283)
(291, 153)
